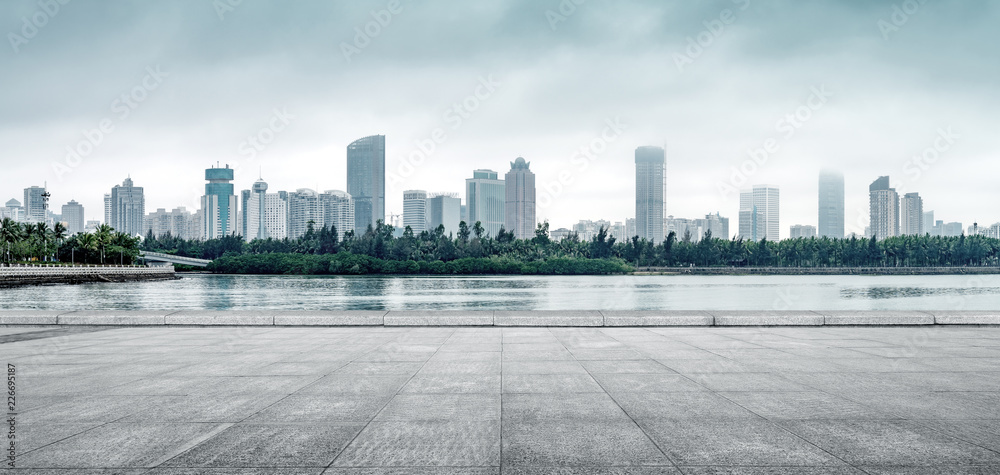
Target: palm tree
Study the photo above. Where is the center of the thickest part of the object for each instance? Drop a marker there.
(10, 232)
(88, 242)
(104, 234)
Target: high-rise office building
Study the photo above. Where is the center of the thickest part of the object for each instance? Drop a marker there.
(415, 210)
(519, 207)
(128, 208)
(72, 215)
(35, 204)
(219, 204)
(264, 215)
(911, 214)
(715, 223)
(883, 209)
(630, 230)
(650, 192)
(486, 196)
(366, 180)
(802, 231)
(444, 209)
(760, 213)
(831, 204)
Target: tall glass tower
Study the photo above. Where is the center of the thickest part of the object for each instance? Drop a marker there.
(128, 208)
(650, 192)
(520, 205)
(366, 180)
(831, 204)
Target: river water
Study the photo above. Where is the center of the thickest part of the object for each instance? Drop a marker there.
(224, 292)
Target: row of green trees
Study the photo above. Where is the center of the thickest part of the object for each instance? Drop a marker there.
(36, 242)
(379, 243)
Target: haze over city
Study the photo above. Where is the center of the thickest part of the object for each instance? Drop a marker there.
(180, 86)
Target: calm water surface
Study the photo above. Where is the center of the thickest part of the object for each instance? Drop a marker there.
(222, 292)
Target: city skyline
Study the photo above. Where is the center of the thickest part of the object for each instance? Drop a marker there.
(574, 95)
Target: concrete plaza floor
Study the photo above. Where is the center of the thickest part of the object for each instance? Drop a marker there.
(375, 400)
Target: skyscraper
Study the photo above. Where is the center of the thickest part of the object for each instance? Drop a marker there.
(72, 215)
(331, 209)
(219, 204)
(520, 204)
(928, 222)
(264, 215)
(107, 209)
(802, 231)
(883, 208)
(128, 208)
(415, 210)
(485, 197)
(35, 202)
(650, 192)
(338, 211)
(760, 213)
(911, 214)
(831, 204)
(366, 180)
(444, 209)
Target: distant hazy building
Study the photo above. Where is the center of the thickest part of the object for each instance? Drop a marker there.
(219, 204)
(802, 231)
(715, 223)
(92, 225)
(337, 211)
(831, 204)
(12, 210)
(444, 209)
(72, 215)
(128, 208)
(953, 229)
(366, 180)
(485, 196)
(911, 215)
(520, 204)
(683, 227)
(35, 204)
(928, 222)
(883, 208)
(263, 215)
(760, 213)
(177, 222)
(415, 210)
(650, 192)
(630, 230)
(107, 209)
(588, 229)
(304, 207)
(618, 231)
(559, 234)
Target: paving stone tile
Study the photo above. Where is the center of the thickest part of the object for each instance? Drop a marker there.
(341, 383)
(734, 441)
(429, 407)
(803, 405)
(578, 443)
(890, 442)
(543, 367)
(453, 383)
(691, 405)
(550, 383)
(260, 446)
(566, 406)
(322, 408)
(646, 382)
(115, 446)
(424, 443)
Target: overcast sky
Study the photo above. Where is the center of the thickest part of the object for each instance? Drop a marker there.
(181, 85)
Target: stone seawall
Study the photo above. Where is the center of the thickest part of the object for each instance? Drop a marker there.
(477, 318)
(39, 275)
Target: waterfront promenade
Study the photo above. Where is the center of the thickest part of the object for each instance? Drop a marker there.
(913, 399)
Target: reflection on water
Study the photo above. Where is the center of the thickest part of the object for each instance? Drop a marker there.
(522, 293)
(875, 293)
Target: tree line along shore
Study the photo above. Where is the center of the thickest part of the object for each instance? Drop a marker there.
(471, 251)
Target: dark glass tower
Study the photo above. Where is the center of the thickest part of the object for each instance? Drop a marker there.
(366, 180)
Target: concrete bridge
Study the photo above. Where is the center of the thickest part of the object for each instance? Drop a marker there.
(158, 258)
